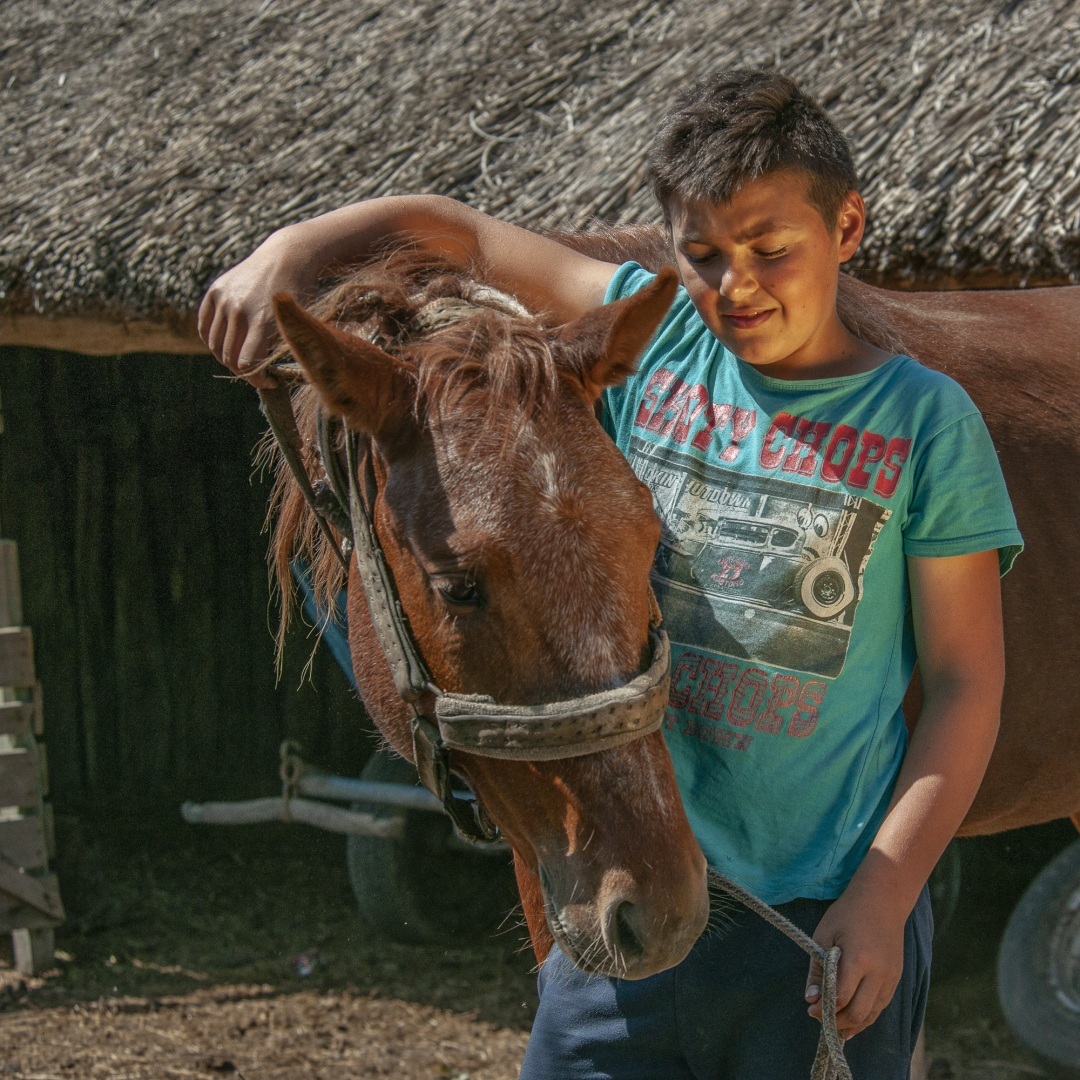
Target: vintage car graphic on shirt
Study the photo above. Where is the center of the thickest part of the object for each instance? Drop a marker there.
(760, 568)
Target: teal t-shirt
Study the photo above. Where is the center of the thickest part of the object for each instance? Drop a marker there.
(787, 509)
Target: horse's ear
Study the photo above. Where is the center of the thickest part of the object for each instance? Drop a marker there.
(602, 348)
(355, 379)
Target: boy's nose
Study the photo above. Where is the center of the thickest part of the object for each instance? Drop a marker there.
(736, 283)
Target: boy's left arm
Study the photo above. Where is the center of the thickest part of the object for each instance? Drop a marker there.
(956, 603)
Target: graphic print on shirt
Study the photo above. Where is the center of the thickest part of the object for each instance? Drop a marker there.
(767, 569)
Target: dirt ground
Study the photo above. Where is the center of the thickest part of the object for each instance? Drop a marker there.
(238, 953)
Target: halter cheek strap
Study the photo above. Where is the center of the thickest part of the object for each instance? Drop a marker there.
(411, 678)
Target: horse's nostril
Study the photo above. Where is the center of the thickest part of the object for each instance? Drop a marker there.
(627, 941)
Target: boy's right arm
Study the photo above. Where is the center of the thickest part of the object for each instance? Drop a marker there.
(236, 320)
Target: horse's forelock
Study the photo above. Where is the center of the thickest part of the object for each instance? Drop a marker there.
(490, 368)
(491, 350)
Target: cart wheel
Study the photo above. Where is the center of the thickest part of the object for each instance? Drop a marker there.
(425, 887)
(1038, 970)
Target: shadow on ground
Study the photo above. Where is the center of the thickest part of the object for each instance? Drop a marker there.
(162, 908)
(194, 952)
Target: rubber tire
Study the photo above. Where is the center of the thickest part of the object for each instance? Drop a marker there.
(1034, 1011)
(420, 890)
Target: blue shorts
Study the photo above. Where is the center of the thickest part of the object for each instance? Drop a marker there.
(732, 1010)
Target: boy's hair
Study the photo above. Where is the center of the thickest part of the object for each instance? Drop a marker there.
(735, 126)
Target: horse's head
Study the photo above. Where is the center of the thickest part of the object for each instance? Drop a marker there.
(520, 542)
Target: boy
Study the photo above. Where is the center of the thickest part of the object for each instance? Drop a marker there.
(830, 511)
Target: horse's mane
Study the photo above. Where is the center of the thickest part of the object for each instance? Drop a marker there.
(472, 351)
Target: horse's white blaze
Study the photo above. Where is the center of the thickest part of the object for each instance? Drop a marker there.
(587, 622)
(546, 472)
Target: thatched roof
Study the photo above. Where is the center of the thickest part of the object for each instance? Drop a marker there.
(146, 146)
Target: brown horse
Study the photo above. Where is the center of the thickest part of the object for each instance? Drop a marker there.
(520, 542)
(1017, 353)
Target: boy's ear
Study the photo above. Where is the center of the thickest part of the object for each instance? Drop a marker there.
(852, 224)
(602, 348)
(356, 380)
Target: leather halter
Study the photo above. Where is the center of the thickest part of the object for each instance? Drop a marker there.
(472, 723)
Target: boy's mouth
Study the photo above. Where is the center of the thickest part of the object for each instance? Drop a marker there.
(746, 319)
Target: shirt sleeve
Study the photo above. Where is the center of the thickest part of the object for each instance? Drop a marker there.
(630, 278)
(959, 503)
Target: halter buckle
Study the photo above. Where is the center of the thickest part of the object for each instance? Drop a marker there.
(432, 762)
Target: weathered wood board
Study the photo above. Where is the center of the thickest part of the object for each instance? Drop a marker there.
(11, 610)
(20, 777)
(25, 841)
(16, 656)
(40, 894)
(17, 913)
(30, 904)
(21, 718)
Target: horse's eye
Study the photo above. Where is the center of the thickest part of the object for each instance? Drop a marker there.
(459, 590)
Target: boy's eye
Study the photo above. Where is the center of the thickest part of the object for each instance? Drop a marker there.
(773, 254)
(697, 260)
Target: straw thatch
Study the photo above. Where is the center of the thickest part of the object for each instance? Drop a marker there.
(146, 146)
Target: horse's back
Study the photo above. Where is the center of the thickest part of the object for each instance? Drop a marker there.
(1016, 352)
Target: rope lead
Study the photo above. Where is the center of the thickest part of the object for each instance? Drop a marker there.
(829, 1062)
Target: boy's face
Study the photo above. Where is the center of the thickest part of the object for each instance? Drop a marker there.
(762, 270)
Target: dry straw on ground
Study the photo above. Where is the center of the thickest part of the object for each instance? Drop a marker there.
(147, 146)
